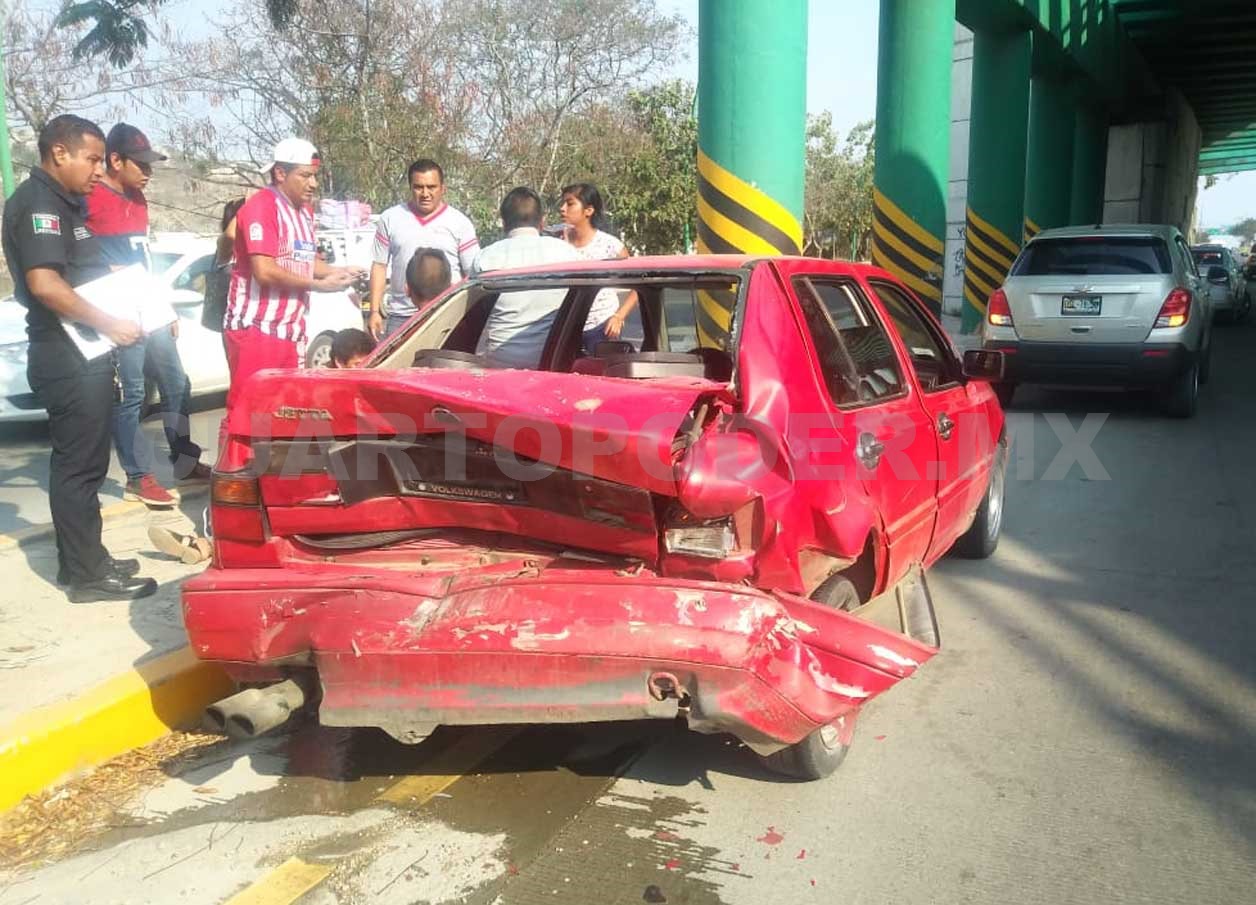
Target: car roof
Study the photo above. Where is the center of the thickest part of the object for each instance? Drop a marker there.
(656, 264)
(1160, 230)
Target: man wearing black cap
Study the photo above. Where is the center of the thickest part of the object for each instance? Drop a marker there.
(117, 214)
(50, 250)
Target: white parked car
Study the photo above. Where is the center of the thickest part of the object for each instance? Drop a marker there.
(183, 261)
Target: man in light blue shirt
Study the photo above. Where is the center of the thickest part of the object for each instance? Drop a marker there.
(520, 322)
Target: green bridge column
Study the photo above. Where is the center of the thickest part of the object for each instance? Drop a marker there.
(1090, 163)
(752, 125)
(997, 140)
(1049, 170)
(915, 48)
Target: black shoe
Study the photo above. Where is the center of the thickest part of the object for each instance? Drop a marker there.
(111, 588)
(117, 568)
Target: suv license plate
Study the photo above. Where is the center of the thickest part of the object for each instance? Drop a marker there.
(1081, 305)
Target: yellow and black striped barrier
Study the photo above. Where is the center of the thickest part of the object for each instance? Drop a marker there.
(907, 250)
(1031, 229)
(988, 256)
(735, 218)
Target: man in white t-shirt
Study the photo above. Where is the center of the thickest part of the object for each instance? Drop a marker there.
(425, 221)
(520, 322)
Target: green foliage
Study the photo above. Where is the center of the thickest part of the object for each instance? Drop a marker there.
(648, 167)
(1246, 229)
(119, 33)
(837, 219)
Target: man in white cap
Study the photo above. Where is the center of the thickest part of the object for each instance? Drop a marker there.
(276, 267)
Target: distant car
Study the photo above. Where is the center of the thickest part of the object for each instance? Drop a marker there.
(1118, 306)
(183, 260)
(1225, 280)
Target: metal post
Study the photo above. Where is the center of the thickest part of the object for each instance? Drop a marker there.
(996, 166)
(752, 121)
(915, 45)
(1049, 169)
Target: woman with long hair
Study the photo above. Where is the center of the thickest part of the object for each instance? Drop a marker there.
(584, 215)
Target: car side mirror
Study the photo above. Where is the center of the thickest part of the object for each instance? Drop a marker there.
(1218, 275)
(984, 365)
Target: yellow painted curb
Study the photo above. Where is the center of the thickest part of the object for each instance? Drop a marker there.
(126, 712)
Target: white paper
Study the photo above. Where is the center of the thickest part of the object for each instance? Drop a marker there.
(131, 294)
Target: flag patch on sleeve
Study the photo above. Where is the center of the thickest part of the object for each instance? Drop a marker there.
(46, 224)
(255, 232)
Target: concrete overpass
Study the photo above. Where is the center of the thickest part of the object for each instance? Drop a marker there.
(1078, 111)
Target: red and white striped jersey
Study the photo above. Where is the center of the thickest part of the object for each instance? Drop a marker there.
(269, 224)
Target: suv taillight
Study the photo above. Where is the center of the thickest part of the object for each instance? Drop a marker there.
(1176, 310)
(998, 311)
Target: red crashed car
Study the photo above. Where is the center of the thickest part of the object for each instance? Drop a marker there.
(724, 515)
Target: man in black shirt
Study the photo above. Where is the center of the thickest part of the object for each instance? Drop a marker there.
(50, 251)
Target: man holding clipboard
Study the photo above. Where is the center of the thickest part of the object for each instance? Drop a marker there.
(50, 251)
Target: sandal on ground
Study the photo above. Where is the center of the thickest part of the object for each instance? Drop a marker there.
(187, 548)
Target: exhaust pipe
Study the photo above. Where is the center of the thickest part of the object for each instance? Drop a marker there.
(249, 713)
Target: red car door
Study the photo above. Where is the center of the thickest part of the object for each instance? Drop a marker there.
(873, 410)
(956, 411)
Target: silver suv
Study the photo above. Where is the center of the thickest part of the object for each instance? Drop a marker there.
(1119, 306)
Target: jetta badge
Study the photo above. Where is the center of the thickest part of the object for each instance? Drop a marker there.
(291, 413)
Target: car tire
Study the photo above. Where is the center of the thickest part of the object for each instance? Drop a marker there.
(837, 592)
(816, 756)
(982, 537)
(1183, 393)
(1205, 366)
(1004, 392)
(318, 353)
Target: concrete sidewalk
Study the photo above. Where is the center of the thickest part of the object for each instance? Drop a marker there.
(82, 683)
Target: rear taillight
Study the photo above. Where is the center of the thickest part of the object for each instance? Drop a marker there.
(998, 311)
(1176, 310)
(710, 540)
(236, 508)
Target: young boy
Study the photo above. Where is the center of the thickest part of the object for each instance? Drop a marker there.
(349, 348)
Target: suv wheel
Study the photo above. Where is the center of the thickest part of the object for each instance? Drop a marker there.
(1183, 393)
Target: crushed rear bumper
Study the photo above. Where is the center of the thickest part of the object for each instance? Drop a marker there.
(406, 652)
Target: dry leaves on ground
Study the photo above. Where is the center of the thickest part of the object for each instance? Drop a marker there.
(57, 822)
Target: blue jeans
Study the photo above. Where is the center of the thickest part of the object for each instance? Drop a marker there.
(156, 356)
(395, 323)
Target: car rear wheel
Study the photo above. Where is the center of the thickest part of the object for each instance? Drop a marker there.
(816, 756)
(1183, 393)
(837, 592)
(318, 355)
(982, 537)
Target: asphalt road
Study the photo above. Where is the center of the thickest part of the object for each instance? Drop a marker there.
(1086, 735)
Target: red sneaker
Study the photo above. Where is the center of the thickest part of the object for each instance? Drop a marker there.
(147, 491)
